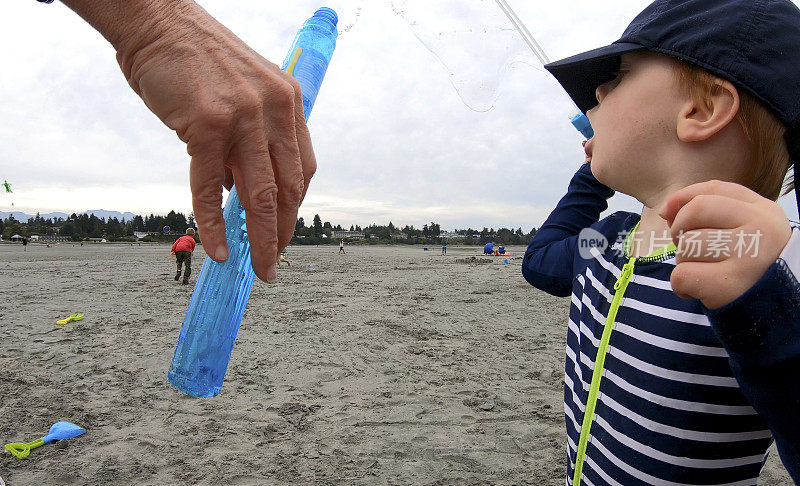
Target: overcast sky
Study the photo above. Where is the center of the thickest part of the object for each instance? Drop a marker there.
(393, 138)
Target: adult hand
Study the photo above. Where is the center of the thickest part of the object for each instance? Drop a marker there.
(240, 116)
(727, 238)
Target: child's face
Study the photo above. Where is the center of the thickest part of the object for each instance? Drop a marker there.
(635, 125)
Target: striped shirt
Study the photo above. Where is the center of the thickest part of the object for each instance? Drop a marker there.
(668, 409)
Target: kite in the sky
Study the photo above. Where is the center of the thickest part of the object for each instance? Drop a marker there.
(7, 186)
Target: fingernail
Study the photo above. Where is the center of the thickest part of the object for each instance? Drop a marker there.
(221, 253)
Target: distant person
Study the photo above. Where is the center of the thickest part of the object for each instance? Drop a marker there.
(182, 250)
(341, 246)
(24, 243)
(283, 259)
(444, 246)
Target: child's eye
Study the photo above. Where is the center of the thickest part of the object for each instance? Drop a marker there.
(618, 75)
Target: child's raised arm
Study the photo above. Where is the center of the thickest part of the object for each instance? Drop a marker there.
(548, 262)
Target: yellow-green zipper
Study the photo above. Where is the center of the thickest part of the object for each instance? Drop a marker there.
(594, 389)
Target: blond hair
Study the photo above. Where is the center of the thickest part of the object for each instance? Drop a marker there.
(768, 159)
(190, 231)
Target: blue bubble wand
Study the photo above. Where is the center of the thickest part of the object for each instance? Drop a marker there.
(577, 118)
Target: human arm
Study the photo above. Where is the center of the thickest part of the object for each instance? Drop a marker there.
(174, 246)
(759, 325)
(548, 261)
(761, 332)
(240, 115)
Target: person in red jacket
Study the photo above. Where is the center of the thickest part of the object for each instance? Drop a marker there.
(182, 251)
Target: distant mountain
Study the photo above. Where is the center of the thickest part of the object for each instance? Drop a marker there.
(100, 213)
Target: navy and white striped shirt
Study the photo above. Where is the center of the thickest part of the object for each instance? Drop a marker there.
(669, 408)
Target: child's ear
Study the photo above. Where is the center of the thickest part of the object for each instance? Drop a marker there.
(699, 120)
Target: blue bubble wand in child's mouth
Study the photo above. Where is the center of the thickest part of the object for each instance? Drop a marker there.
(578, 119)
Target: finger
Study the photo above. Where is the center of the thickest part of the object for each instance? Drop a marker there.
(255, 184)
(693, 279)
(286, 163)
(706, 245)
(307, 158)
(206, 175)
(708, 282)
(709, 211)
(680, 198)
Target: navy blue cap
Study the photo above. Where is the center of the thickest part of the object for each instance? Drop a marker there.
(755, 44)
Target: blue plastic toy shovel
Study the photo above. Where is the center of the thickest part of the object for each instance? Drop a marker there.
(58, 431)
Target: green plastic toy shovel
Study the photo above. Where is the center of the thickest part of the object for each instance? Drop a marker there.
(58, 431)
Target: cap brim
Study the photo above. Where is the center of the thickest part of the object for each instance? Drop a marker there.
(580, 75)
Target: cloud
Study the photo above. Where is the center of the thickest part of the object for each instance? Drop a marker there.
(393, 139)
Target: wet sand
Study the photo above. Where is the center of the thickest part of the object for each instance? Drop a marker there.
(387, 365)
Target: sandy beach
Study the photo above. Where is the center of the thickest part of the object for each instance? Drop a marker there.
(387, 365)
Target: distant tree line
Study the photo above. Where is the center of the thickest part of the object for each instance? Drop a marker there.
(78, 227)
(324, 233)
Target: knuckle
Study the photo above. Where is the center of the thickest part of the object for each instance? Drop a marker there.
(213, 118)
(679, 278)
(693, 209)
(297, 90)
(310, 169)
(264, 199)
(250, 104)
(292, 194)
(715, 185)
(282, 98)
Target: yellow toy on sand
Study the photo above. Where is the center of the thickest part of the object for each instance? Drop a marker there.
(73, 317)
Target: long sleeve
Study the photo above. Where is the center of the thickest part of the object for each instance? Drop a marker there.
(174, 245)
(548, 261)
(761, 332)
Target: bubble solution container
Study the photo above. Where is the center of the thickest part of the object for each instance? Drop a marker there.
(581, 123)
(222, 290)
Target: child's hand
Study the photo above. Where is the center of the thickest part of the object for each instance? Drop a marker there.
(587, 147)
(727, 238)
(172, 253)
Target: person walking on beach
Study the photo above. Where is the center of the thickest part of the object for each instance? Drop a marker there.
(341, 246)
(444, 246)
(283, 259)
(24, 243)
(182, 251)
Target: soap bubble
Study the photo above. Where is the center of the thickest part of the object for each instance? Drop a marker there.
(349, 13)
(473, 39)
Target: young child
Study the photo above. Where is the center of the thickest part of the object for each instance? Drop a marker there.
(681, 363)
(182, 250)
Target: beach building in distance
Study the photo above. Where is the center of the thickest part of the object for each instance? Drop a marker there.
(355, 235)
(49, 238)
